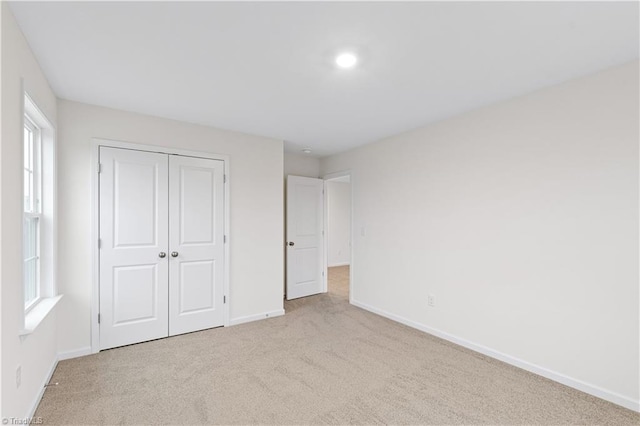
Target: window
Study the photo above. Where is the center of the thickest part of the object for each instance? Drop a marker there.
(32, 212)
(38, 217)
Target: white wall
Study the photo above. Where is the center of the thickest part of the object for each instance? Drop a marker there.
(338, 223)
(256, 166)
(301, 165)
(521, 219)
(36, 353)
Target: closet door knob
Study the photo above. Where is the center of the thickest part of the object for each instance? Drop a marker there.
(174, 254)
(162, 255)
(291, 243)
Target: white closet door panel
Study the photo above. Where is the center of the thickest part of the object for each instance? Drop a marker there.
(133, 234)
(197, 244)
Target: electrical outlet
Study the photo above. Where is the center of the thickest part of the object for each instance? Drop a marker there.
(18, 376)
(431, 300)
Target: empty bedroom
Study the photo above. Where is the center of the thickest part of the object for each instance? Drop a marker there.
(420, 213)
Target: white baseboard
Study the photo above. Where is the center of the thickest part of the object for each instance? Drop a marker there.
(47, 379)
(339, 264)
(249, 318)
(74, 353)
(594, 390)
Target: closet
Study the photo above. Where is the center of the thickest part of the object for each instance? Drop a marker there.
(161, 247)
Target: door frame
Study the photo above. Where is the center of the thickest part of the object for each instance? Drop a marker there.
(325, 233)
(96, 143)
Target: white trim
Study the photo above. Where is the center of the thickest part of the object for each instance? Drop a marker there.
(339, 264)
(256, 317)
(227, 246)
(156, 148)
(38, 398)
(61, 356)
(580, 385)
(95, 253)
(38, 313)
(96, 143)
(76, 353)
(325, 236)
(351, 262)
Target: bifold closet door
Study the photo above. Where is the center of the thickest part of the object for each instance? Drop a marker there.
(134, 263)
(196, 238)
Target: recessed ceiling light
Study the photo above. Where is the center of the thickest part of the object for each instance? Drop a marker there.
(346, 60)
(306, 151)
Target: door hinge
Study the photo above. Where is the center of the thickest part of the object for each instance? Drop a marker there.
(99, 243)
(224, 299)
(99, 167)
(98, 318)
(323, 273)
(224, 238)
(224, 178)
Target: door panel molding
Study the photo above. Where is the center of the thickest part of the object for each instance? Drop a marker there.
(134, 189)
(194, 188)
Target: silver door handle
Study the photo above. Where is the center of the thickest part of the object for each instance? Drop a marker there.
(174, 254)
(162, 255)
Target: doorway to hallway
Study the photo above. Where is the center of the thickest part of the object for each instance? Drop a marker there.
(338, 237)
(338, 282)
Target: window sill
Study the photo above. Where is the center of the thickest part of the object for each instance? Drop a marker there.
(36, 315)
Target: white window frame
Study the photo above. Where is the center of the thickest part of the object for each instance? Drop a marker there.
(45, 210)
(33, 211)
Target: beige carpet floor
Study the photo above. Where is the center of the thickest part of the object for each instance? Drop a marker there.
(338, 280)
(324, 362)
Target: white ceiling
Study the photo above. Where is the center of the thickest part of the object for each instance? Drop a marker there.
(266, 68)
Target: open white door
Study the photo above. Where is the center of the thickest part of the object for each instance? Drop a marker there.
(305, 241)
(133, 247)
(196, 266)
